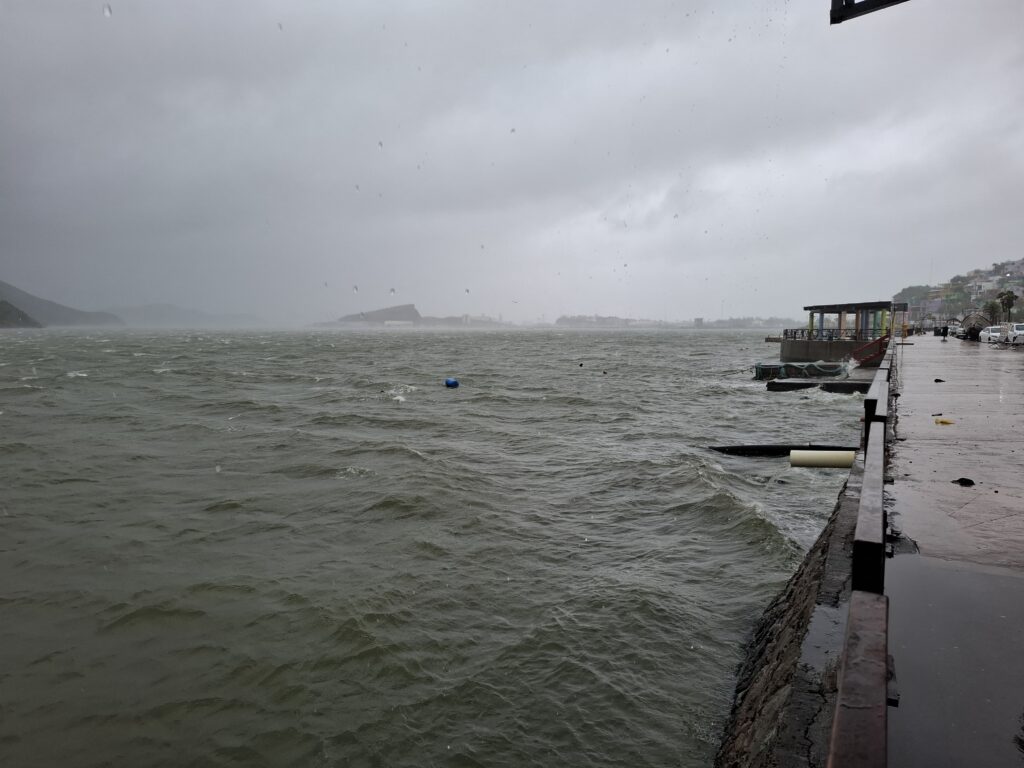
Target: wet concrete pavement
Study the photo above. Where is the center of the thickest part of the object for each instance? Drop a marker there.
(956, 586)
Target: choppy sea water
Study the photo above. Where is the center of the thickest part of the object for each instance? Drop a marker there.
(282, 549)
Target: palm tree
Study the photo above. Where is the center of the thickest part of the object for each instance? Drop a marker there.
(1006, 299)
(991, 308)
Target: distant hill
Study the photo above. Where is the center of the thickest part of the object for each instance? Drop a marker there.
(995, 289)
(171, 316)
(50, 312)
(406, 315)
(12, 317)
(403, 313)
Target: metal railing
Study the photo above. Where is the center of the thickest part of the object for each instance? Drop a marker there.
(832, 334)
(870, 351)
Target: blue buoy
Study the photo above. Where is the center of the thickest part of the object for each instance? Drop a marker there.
(451, 383)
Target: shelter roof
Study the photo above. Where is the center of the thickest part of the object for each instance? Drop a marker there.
(852, 306)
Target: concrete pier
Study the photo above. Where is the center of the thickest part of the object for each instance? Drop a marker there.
(858, 380)
(939, 485)
(956, 584)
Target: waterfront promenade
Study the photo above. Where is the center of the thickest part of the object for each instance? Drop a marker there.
(956, 584)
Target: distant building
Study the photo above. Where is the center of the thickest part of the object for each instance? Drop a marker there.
(698, 322)
(983, 286)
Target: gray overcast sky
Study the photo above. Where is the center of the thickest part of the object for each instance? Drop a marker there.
(658, 159)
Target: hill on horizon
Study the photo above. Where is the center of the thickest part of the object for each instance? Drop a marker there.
(49, 312)
(402, 313)
(12, 317)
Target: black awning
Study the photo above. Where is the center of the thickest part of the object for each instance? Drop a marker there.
(853, 306)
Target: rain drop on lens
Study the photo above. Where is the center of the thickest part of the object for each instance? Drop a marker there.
(108, 11)
(392, 292)
(355, 289)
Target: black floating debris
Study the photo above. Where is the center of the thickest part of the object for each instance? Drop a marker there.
(776, 450)
(966, 482)
(936, 414)
(581, 365)
(940, 381)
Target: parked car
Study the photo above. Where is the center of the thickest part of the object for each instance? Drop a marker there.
(990, 334)
(1014, 333)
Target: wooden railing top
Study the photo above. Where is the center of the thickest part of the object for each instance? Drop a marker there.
(860, 722)
(868, 566)
(859, 725)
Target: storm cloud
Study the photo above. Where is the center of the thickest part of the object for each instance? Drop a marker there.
(668, 160)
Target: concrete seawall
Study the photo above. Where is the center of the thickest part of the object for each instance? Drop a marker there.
(786, 687)
(809, 350)
(797, 673)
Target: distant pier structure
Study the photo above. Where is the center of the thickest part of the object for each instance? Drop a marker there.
(836, 332)
(840, 341)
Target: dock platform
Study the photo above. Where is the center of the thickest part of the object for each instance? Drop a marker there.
(956, 583)
(859, 380)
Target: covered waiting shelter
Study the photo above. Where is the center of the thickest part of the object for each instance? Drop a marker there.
(856, 330)
(855, 321)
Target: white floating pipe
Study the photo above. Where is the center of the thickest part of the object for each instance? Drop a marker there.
(837, 459)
